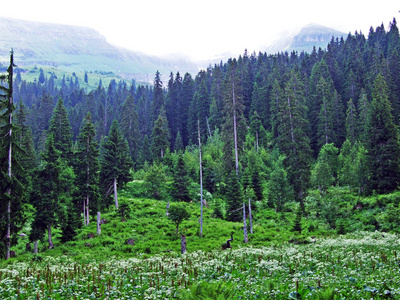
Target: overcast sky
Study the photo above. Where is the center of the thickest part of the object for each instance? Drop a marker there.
(203, 29)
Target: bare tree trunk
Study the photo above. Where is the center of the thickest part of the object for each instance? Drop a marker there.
(115, 193)
(98, 223)
(87, 209)
(183, 244)
(51, 245)
(10, 120)
(257, 140)
(235, 130)
(209, 130)
(244, 224)
(84, 213)
(87, 184)
(35, 246)
(201, 182)
(250, 217)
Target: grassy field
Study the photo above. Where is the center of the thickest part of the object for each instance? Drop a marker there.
(276, 263)
(356, 266)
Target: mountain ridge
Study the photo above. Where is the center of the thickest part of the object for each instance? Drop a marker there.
(80, 49)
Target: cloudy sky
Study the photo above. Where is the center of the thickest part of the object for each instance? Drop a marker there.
(203, 29)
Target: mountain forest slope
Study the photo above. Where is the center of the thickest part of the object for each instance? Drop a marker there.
(280, 150)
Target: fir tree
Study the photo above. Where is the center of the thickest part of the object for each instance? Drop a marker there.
(181, 182)
(293, 141)
(234, 123)
(11, 214)
(130, 126)
(158, 97)
(60, 128)
(160, 136)
(234, 198)
(115, 163)
(46, 192)
(87, 169)
(351, 122)
(383, 144)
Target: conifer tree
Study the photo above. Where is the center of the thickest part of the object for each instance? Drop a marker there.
(130, 126)
(181, 182)
(382, 144)
(145, 155)
(279, 190)
(351, 122)
(363, 111)
(87, 169)
(234, 198)
(46, 192)
(233, 128)
(158, 97)
(115, 163)
(293, 141)
(186, 98)
(60, 128)
(217, 103)
(160, 136)
(10, 168)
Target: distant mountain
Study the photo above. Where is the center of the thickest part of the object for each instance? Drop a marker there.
(305, 39)
(77, 49)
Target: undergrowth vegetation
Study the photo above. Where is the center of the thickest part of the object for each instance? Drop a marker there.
(362, 265)
(338, 252)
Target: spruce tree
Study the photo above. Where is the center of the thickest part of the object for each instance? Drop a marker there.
(87, 169)
(46, 192)
(233, 128)
(234, 198)
(158, 97)
(383, 143)
(130, 126)
(160, 136)
(279, 190)
(115, 163)
(60, 128)
(351, 122)
(11, 214)
(293, 141)
(181, 182)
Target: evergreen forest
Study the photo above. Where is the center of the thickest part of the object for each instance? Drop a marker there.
(277, 150)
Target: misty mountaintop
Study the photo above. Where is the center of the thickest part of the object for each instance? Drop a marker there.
(78, 49)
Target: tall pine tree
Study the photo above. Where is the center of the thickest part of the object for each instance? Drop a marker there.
(115, 163)
(383, 143)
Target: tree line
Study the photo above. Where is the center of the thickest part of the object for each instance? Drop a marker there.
(272, 127)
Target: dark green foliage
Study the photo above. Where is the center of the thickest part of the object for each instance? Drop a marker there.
(60, 128)
(46, 192)
(116, 162)
(158, 97)
(177, 213)
(293, 141)
(383, 144)
(297, 221)
(279, 190)
(234, 198)
(87, 169)
(12, 175)
(70, 223)
(160, 136)
(156, 180)
(130, 127)
(209, 291)
(180, 186)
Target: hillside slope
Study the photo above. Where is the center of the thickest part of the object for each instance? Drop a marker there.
(77, 49)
